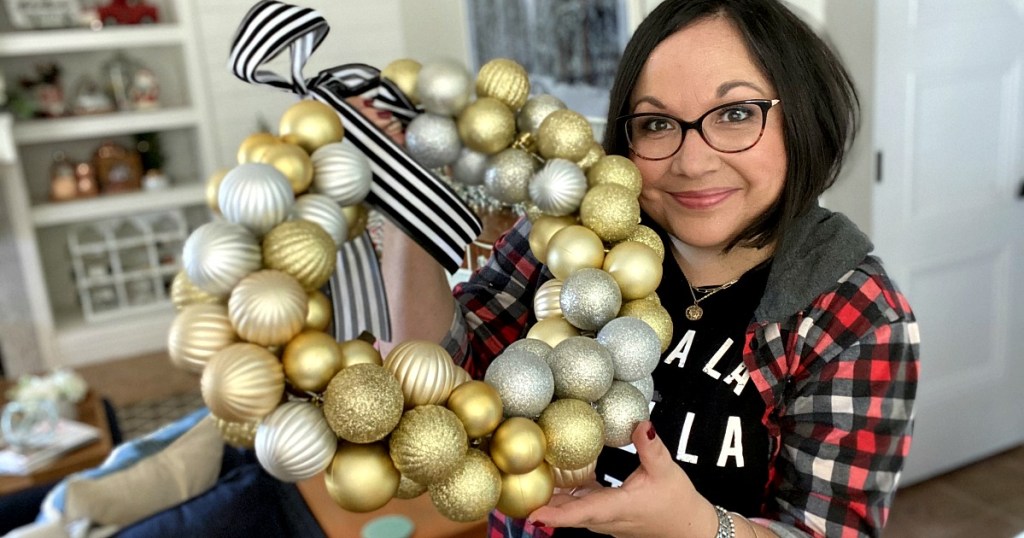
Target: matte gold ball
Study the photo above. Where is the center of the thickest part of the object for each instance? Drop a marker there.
(504, 80)
(268, 308)
(407, 489)
(197, 332)
(292, 161)
(546, 301)
(594, 154)
(253, 146)
(428, 444)
(242, 383)
(404, 72)
(471, 491)
(303, 250)
(521, 494)
(478, 406)
(574, 431)
(518, 445)
(361, 477)
(635, 267)
(542, 230)
(487, 126)
(564, 134)
(611, 211)
(647, 236)
(574, 247)
(552, 331)
(654, 315)
(310, 360)
(363, 403)
(238, 434)
(616, 170)
(184, 292)
(213, 189)
(310, 124)
(574, 478)
(359, 352)
(320, 312)
(424, 369)
(356, 216)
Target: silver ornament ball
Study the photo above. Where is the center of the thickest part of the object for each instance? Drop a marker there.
(219, 254)
(257, 196)
(444, 87)
(558, 188)
(535, 110)
(539, 348)
(582, 369)
(322, 210)
(645, 385)
(469, 167)
(507, 175)
(433, 140)
(294, 442)
(524, 382)
(341, 172)
(590, 298)
(621, 408)
(634, 346)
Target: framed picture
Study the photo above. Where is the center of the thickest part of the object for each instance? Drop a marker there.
(117, 168)
(40, 14)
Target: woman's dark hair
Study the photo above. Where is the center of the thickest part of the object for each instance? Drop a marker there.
(819, 103)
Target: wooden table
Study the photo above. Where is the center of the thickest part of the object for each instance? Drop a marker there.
(90, 411)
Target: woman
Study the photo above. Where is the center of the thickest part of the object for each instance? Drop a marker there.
(783, 404)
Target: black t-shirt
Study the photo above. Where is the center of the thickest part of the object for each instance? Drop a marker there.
(705, 409)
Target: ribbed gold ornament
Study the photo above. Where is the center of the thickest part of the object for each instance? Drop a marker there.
(428, 444)
(361, 477)
(242, 383)
(487, 125)
(574, 431)
(645, 235)
(542, 230)
(478, 406)
(253, 146)
(594, 154)
(310, 124)
(359, 352)
(564, 134)
(403, 72)
(518, 445)
(616, 170)
(303, 250)
(461, 376)
(574, 247)
(213, 188)
(268, 308)
(552, 331)
(424, 369)
(574, 478)
(545, 301)
(319, 312)
(654, 315)
(237, 434)
(197, 332)
(363, 403)
(293, 162)
(504, 80)
(635, 267)
(611, 211)
(310, 360)
(521, 494)
(471, 491)
(407, 489)
(357, 217)
(184, 292)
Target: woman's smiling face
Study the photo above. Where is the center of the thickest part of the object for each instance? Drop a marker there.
(700, 195)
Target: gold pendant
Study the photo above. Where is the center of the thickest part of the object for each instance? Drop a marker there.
(694, 312)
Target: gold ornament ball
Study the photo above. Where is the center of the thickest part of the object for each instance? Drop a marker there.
(268, 308)
(542, 230)
(213, 189)
(487, 126)
(303, 250)
(616, 170)
(238, 434)
(254, 145)
(478, 406)
(428, 444)
(404, 72)
(471, 491)
(184, 292)
(574, 478)
(310, 360)
(552, 331)
(564, 134)
(424, 369)
(518, 445)
(574, 247)
(546, 301)
(647, 236)
(197, 332)
(461, 376)
(361, 477)
(242, 383)
(310, 124)
(319, 312)
(653, 314)
(521, 494)
(593, 156)
(356, 216)
(363, 403)
(611, 211)
(358, 351)
(504, 80)
(635, 267)
(293, 162)
(407, 489)
(574, 431)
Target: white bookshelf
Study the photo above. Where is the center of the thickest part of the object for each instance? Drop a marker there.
(34, 43)
(48, 131)
(118, 205)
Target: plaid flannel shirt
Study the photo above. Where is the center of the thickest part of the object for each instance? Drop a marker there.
(838, 378)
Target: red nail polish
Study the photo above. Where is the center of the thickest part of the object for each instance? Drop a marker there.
(384, 114)
(651, 433)
(368, 102)
(539, 524)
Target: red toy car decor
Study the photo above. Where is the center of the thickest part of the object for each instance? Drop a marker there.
(127, 12)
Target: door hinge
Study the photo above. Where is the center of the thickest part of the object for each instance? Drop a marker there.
(878, 167)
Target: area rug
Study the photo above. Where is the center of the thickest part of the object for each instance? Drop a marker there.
(140, 418)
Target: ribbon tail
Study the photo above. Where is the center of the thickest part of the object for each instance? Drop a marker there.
(357, 292)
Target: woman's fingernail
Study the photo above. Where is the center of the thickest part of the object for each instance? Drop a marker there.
(368, 102)
(651, 433)
(539, 524)
(384, 114)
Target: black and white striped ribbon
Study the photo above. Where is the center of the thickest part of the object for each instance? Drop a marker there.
(357, 308)
(416, 200)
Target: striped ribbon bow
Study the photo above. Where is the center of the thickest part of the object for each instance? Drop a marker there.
(412, 197)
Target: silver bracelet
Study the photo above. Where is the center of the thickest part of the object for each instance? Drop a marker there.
(726, 526)
(746, 522)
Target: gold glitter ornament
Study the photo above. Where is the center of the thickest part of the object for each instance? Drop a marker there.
(213, 187)
(361, 477)
(647, 236)
(582, 369)
(428, 444)
(546, 300)
(504, 80)
(357, 216)
(197, 332)
(532, 211)
(541, 232)
(523, 380)
(558, 188)
(487, 125)
(574, 478)
(471, 491)
(238, 434)
(654, 315)
(444, 87)
(507, 176)
(310, 360)
(521, 494)
(268, 308)
(594, 154)
(635, 267)
(424, 369)
(253, 146)
(621, 409)
(293, 162)
(341, 172)
(404, 72)
(611, 211)
(574, 431)
(184, 292)
(478, 406)
(310, 124)
(242, 383)
(616, 170)
(552, 331)
(589, 298)
(255, 195)
(323, 211)
(572, 248)
(564, 134)
(319, 312)
(535, 111)
(294, 442)
(363, 403)
(518, 446)
(407, 489)
(218, 254)
(303, 250)
(358, 351)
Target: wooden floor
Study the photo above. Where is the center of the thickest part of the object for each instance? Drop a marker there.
(985, 499)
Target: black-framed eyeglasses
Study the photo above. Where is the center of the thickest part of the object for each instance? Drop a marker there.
(729, 128)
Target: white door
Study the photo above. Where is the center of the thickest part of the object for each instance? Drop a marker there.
(949, 215)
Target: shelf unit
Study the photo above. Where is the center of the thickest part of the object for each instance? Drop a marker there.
(64, 334)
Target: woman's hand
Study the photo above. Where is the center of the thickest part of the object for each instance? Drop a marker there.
(383, 119)
(658, 499)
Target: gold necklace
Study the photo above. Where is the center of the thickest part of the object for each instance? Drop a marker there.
(694, 312)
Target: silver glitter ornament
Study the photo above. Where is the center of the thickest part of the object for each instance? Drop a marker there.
(469, 167)
(257, 196)
(558, 188)
(322, 210)
(219, 254)
(444, 87)
(621, 408)
(524, 382)
(433, 140)
(645, 386)
(590, 298)
(539, 348)
(507, 175)
(634, 346)
(535, 110)
(582, 369)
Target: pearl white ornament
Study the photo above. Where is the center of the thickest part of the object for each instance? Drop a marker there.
(255, 195)
(524, 382)
(341, 172)
(219, 254)
(558, 188)
(294, 442)
(444, 87)
(634, 346)
(321, 209)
